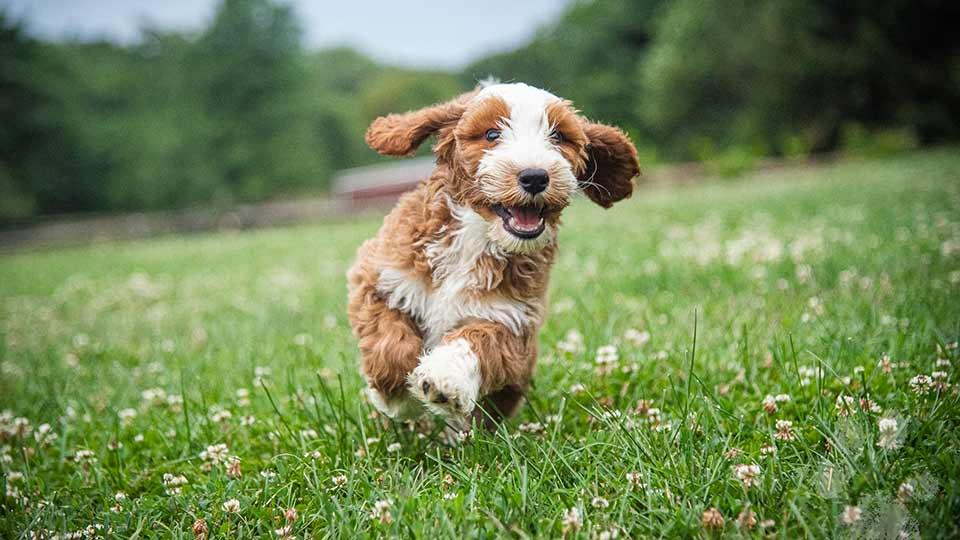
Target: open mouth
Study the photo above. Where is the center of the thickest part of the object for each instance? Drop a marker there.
(521, 221)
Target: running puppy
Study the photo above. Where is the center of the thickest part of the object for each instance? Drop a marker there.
(449, 296)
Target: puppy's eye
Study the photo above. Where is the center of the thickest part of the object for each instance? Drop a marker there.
(492, 135)
(556, 137)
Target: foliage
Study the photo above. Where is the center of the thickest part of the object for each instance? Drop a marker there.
(239, 111)
(783, 75)
(858, 141)
(818, 284)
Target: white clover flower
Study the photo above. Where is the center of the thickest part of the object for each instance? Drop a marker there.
(126, 416)
(174, 484)
(609, 534)
(885, 364)
(599, 502)
(262, 371)
(905, 492)
(571, 520)
(243, 397)
(571, 344)
(234, 468)
(531, 427)
(782, 398)
(44, 435)
(231, 506)
(850, 515)
(175, 402)
(845, 405)
(84, 456)
(154, 396)
(888, 434)
(394, 447)
(868, 404)
(637, 337)
(606, 359)
(381, 511)
(784, 432)
(770, 404)
(747, 474)
(921, 384)
(339, 480)
(220, 416)
(214, 455)
(808, 374)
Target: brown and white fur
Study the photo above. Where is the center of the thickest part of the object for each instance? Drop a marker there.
(449, 296)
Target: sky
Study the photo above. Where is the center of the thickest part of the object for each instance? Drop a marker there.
(413, 33)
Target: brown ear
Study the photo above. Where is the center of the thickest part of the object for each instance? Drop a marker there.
(611, 164)
(402, 134)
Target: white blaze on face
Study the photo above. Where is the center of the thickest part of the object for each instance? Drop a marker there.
(525, 141)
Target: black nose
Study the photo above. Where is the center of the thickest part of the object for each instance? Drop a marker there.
(533, 181)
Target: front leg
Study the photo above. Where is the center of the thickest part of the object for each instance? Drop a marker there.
(476, 360)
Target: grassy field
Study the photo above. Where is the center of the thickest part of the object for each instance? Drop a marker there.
(835, 291)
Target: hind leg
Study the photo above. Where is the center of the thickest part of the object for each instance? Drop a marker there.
(390, 346)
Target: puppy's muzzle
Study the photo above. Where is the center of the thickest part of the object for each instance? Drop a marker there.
(533, 181)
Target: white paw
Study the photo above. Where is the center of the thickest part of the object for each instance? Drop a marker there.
(447, 381)
(398, 408)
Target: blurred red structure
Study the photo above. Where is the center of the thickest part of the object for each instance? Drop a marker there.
(379, 186)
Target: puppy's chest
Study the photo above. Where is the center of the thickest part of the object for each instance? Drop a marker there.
(466, 283)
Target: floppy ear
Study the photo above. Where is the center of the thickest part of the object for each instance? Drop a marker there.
(611, 164)
(401, 134)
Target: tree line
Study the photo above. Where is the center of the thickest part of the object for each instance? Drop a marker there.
(241, 111)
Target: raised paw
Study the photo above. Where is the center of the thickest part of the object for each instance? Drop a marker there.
(447, 381)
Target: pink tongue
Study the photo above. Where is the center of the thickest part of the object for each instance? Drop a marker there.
(526, 218)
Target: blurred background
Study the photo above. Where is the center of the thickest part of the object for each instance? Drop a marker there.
(112, 107)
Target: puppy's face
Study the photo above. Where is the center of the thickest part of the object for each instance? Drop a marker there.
(518, 154)
(521, 149)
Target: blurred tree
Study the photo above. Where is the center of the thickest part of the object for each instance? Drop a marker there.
(42, 164)
(395, 90)
(240, 112)
(742, 73)
(251, 78)
(589, 56)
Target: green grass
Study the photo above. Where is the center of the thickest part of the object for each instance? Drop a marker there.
(772, 284)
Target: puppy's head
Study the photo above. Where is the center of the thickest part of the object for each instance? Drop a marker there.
(517, 155)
